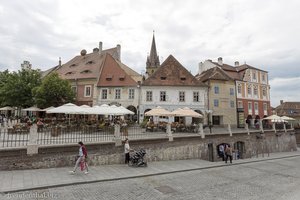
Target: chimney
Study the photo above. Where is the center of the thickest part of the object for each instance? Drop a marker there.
(220, 61)
(281, 102)
(119, 52)
(100, 47)
(59, 62)
(236, 63)
(200, 68)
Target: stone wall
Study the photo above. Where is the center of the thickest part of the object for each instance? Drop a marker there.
(157, 150)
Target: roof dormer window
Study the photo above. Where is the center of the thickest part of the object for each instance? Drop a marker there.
(69, 73)
(183, 78)
(163, 78)
(90, 62)
(122, 77)
(109, 77)
(73, 65)
(86, 71)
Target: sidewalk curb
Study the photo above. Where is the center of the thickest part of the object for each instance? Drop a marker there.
(144, 175)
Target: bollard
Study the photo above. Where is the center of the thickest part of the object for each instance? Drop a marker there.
(200, 131)
(261, 126)
(229, 130)
(117, 135)
(169, 132)
(32, 147)
(247, 128)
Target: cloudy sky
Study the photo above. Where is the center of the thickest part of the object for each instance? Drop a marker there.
(264, 34)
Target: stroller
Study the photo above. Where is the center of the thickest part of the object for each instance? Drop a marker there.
(137, 158)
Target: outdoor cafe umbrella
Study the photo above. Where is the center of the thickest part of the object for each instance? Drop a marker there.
(287, 118)
(6, 108)
(158, 111)
(186, 112)
(274, 118)
(51, 107)
(68, 108)
(32, 109)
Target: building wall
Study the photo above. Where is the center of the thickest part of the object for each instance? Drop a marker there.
(172, 98)
(80, 90)
(224, 110)
(124, 100)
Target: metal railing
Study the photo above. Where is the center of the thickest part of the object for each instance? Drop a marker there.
(10, 137)
(73, 134)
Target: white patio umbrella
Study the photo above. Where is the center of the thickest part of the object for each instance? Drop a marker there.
(6, 108)
(32, 109)
(158, 111)
(287, 118)
(274, 118)
(51, 107)
(68, 108)
(186, 112)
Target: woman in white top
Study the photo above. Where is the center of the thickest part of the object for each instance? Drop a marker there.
(126, 150)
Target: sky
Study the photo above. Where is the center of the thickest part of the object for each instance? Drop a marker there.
(264, 34)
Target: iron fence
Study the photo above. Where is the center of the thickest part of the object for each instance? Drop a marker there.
(11, 137)
(73, 134)
(137, 132)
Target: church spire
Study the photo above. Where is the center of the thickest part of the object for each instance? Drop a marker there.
(152, 63)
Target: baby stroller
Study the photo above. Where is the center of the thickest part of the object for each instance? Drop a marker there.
(137, 158)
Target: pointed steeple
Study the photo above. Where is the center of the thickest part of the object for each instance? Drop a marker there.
(152, 63)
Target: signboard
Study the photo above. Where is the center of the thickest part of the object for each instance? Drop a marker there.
(241, 118)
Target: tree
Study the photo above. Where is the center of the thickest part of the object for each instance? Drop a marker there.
(16, 87)
(53, 91)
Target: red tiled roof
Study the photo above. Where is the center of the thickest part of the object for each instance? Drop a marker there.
(114, 75)
(172, 73)
(215, 73)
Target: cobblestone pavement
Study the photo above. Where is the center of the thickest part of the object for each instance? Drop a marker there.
(273, 179)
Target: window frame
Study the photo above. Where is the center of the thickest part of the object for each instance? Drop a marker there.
(85, 90)
(149, 96)
(163, 96)
(102, 93)
(118, 94)
(131, 93)
(181, 96)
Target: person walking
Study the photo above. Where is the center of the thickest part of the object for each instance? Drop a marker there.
(127, 150)
(228, 153)
(221, 150)
(81, 160)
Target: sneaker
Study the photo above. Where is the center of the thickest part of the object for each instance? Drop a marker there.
(71, 172)
(86, 172)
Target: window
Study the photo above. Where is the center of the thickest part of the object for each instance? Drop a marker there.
(162, 96)
(74, 89)
(263, 77)
(231, 91)
(240, 104)
(239, 88)
(131, 94)
(104, 94)
(149, 96)
(264, 92)
(265, 107)
(87, 91)
(249, 90)
(254, 75)
(118, 94)
(216, 89)
(255, 106)
(255, 91)
(216, 102)
(250, 106)
(232, 104)
(181, 96)
(196, 96)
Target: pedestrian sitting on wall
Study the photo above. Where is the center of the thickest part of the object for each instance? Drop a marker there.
(81, 160)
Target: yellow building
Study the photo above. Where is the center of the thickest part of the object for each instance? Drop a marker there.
(221, 96)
